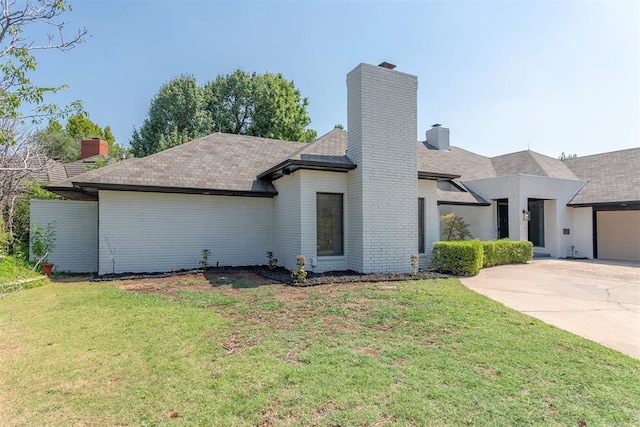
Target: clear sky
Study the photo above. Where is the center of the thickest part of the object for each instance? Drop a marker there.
(503, 76)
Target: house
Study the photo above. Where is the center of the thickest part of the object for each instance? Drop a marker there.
(365, 200)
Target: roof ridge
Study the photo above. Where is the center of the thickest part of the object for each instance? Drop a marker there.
(602, 154)
(535, 159)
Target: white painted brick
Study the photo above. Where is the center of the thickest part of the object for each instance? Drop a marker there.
(76, 222)
(383, 189)
(162, 232)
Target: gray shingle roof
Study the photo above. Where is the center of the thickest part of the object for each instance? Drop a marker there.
(456, 161)
(215, 162)
(234, 163)
(612, 177)
(530, 163)
(81, 166)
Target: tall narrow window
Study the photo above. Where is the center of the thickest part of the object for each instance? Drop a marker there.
(421, 225)
(536, 222)
(329, 217)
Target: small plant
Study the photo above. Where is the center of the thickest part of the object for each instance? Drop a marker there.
(300, 274)
(455, 227)
(273, 261)
(573, 252)
(112, 254)
(415, 259)
(43, 240)
(205, 258)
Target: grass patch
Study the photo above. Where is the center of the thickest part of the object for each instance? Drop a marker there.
(205, 299)
(12, 267)
(427, 353)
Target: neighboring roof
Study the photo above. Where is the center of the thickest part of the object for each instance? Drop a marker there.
(530, 163)
(612, 177)
(84, 165)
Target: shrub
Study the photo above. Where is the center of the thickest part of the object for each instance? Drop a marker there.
(415, 262)
(455, 227)
(506, 251)
(489, 253)
(300, 275)
(43, 240)
(458, 258)
(273, 261)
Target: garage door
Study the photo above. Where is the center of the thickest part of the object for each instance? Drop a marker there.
(619, 235)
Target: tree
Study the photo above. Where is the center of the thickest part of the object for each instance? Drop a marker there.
(455, 227)
(17, 60)
(21, 101)
(63, 144)
(265, 105)
(567, 156)
(176, 115)
(56, 143)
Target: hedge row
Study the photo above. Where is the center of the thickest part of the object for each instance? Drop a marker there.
(468, 257)
(506, 251)
(459, 258)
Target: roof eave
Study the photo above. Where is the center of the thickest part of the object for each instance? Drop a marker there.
(289, 166)
(437, 176)
(445, 202)
(632, 204)
(72, 193)
(175, 190)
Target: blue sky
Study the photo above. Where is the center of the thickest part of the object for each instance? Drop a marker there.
(503, 76)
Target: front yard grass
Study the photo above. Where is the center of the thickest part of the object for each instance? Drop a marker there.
(402, 353)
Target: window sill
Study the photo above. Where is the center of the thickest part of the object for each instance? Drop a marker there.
(330, 257)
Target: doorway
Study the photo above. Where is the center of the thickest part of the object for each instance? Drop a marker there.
(503, 218)
(536, 222)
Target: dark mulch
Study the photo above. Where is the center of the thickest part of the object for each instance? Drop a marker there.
(282, 275)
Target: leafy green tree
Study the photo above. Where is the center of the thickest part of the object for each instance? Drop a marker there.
(176, 115)
(567, 156)
(22, 102)
(265, 105)
(455, 227)
(80, 127)
(63, 144)
(17, 60)
(20, 232)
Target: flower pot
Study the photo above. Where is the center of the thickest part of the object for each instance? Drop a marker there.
(46, 269)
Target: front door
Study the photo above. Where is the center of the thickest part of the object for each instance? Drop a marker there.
(503, 218)
(536, 222)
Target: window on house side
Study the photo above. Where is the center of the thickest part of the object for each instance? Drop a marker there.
(421, 225)
(329, 217)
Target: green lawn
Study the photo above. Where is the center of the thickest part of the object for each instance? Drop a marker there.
(407, 353)
(12, 269)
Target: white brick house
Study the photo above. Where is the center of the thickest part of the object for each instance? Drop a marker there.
(363, 201)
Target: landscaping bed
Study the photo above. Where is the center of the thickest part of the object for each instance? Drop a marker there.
(280, 275)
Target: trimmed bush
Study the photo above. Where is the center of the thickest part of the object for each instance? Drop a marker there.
(506, 251)
(458, 258)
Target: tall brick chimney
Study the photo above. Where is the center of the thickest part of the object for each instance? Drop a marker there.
(93, 147)
(383, 190)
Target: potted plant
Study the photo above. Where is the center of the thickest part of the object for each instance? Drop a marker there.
(43, 240)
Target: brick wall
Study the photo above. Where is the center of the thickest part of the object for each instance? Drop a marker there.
(383, 194)
(76, 222)
(287, 232)
(162, 232)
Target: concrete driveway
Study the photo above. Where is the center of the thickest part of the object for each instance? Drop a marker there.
(598, 300)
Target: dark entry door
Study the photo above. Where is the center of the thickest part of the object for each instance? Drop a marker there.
(503, 218)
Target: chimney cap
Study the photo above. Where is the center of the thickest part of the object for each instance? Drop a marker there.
(436, 125)
(387, 65)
